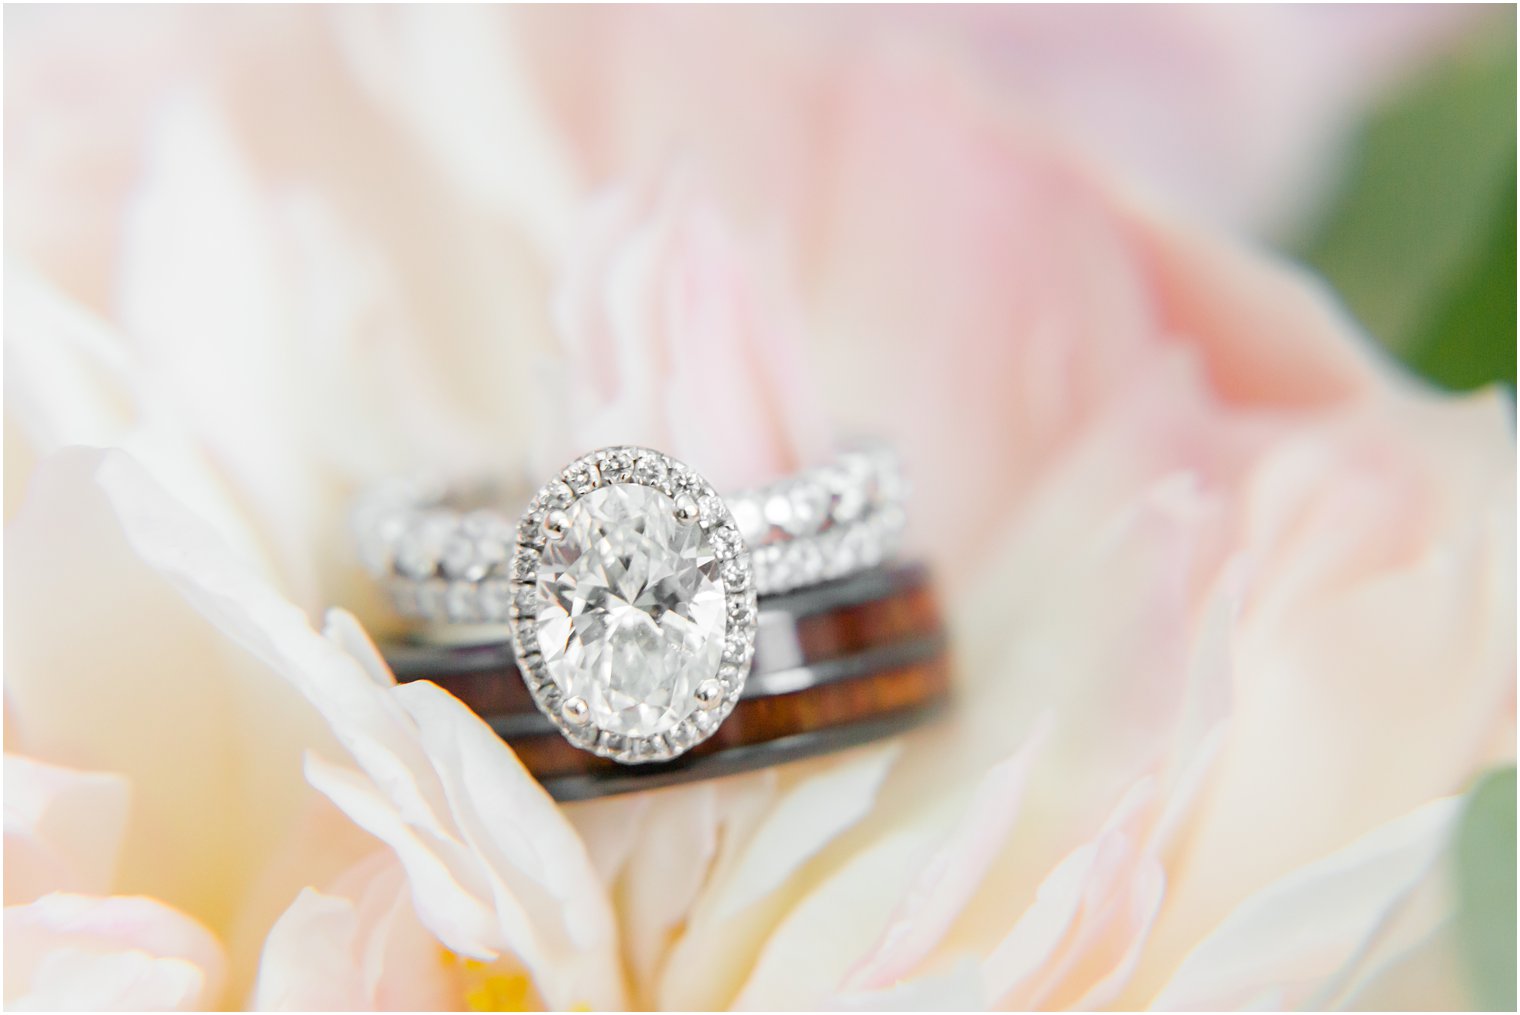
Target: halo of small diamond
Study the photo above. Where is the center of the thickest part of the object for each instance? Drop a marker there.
(658, 471)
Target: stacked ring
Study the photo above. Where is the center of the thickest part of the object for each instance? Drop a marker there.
(637, 653)
(835, 666)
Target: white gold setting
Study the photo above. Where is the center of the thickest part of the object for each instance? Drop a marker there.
(632, 605)
(441, 563)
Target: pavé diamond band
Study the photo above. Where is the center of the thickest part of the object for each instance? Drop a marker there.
(443, 552)
(630, 586)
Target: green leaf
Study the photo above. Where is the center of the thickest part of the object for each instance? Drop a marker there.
(1469, 340)
(1485, 878)
(1421, 242)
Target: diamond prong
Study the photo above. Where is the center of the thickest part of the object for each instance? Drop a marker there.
(556, 522)
(709, 694)
(688, 512)
(575, 710)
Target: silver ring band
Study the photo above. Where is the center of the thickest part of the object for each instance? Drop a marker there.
(442, 551)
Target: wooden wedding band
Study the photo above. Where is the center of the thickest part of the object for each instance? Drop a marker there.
(835, 666)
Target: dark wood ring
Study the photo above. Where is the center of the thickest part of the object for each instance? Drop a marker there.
(760, 732)
(797, 631)
(835, 666)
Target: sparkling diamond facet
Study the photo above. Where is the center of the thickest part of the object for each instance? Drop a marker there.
(631, 615)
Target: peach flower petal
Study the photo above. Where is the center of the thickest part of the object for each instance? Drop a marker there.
(950, 875)
(671, 853)
(63, 829)
(309, 960)
(491, 862)
(1357, 527)
(95, 953)
(360, 947)
(115, 662)
(769, 840)
(458, 81)
(1283, 941)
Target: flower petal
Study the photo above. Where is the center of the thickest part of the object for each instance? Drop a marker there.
(309, 961)
(1295, 933)
(147, 648)
(952, 874)
(119, 953)
(769, 841)
(519, 833)
(63, 829)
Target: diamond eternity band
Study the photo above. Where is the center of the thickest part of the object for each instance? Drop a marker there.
(442, 557)
(629, 585)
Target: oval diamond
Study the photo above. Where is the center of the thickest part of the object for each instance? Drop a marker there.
(631, 611)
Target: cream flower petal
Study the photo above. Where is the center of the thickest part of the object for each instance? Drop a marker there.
(610, 830)
(950, 875)
(360, 947)
(1057, 937)
(804, 818)
(810, 952)
(458, 80)
(96, 953)
(364, 715)
(202, 296)
(958, 989)
(684, 841)
(72, 378)
(1297, 932)
(462, 920)
(670, 859)
(1364, 590)
(523, 839)
(125, 657)
(309, 961)
(63, 829)
(762, 866)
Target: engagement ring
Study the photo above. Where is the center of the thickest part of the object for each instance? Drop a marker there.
(629, 585)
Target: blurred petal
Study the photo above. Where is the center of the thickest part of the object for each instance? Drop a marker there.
(309, 960)
(1383, 552)
(457, 79)
(89, 953)
(981, 282)
(131, 653)
(1301, 929)
(63, 829)
(761, 868)
(72, 378)
(359, 948)
(950, 875)
(460, 919)
(1088, 917)
(669, 346)
(805, 959)
(670, 859)
(959, 989)
(518, 832)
